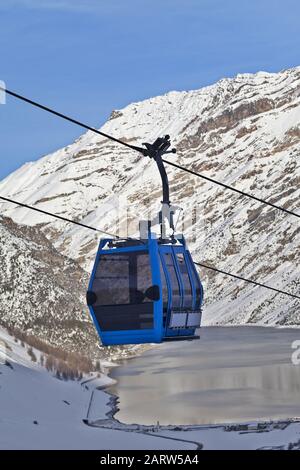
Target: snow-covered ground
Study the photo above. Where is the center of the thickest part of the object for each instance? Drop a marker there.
(38, 411)
(218, 438)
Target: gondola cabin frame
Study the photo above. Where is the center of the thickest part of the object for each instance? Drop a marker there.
(154, 290)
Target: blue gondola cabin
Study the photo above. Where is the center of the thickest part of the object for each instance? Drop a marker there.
(144, 291)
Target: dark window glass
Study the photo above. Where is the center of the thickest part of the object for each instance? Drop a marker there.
(124, 317)
(188, 294)
(121, 278)
(144, 277)
(164, 286)
(196, 283)
(165, 297)
(119, 284)
(176, 298)
(111, 283)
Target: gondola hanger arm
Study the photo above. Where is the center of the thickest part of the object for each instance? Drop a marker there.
(155, 151)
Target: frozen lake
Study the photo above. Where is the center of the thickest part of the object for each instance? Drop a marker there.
(231, 374)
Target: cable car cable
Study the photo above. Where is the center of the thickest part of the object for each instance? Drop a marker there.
(246, 280)
(116, 236)
(226, 186)
(145, 152)
(65, 219)
(68, 118)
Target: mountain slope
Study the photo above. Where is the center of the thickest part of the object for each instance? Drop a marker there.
(244, 132)
(37, 286)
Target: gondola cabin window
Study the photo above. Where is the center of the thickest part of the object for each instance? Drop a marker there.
(120, 284)
(187, 292)
(120, 277)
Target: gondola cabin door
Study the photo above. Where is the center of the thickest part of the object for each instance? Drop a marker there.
(182, 292)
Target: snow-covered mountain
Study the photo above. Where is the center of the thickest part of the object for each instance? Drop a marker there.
(37, 286)
(244, 132)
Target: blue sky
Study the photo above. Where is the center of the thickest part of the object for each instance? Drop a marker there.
(87, 57)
